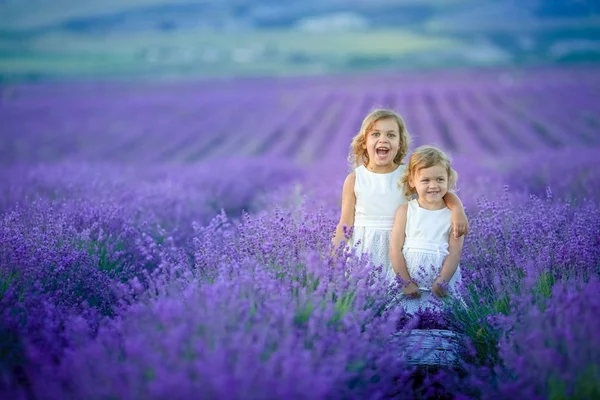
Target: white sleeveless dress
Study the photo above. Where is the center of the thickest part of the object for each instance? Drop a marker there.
(425, 249)
(377, 199)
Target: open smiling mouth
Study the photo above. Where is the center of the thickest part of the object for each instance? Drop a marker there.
(382, 151)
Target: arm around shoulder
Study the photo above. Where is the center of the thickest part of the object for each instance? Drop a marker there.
(460, 223)
(453, 202)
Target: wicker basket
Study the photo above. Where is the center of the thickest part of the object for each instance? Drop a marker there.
(429, 347)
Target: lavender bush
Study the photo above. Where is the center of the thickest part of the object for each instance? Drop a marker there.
(545, 238)
(171, 195)
(251, 331)
(552, 349)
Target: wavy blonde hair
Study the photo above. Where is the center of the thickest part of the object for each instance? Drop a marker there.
(426, 157)
(359, 156)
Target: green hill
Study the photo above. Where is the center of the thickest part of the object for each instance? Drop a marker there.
(159, 38)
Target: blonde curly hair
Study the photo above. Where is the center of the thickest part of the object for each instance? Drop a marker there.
(426, 157)
(359, 156)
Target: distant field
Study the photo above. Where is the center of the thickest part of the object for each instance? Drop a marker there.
(480, 114)
(197, 53)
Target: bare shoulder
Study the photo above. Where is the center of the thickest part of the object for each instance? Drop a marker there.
(348, 200)
(351, 178)
(350, 181)
(400, 220)
(402, 210)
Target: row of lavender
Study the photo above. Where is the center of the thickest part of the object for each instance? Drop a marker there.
(115, 286)
(480, 114)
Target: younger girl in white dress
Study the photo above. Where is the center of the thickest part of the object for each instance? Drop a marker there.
(371, 194)
(423, 253)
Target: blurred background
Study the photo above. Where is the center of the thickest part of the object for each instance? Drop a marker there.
(187, 81)
(224, 38)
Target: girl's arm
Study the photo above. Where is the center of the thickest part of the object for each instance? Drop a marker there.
(397, 238)
(347, 216)
(455, 246)
(460, 224)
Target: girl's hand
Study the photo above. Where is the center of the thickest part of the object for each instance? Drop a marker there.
(411, 290)
(460, 224)
(440, 287)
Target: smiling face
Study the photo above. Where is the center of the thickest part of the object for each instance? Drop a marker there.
(382, 142)
(431, 185)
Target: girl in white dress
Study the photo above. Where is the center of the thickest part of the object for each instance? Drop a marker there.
(371, 196)
(423, 253)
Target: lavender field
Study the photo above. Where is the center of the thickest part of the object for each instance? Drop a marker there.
(171, 240)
